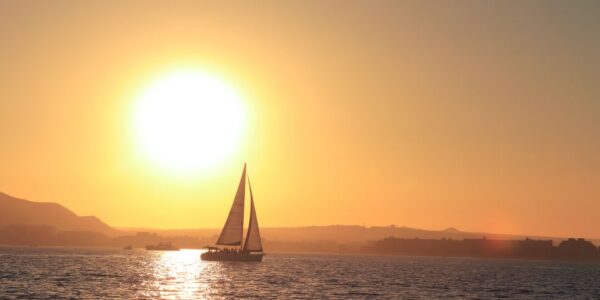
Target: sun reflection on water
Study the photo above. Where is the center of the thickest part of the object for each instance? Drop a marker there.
(177, 275)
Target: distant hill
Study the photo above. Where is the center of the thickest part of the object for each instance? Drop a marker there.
(344, 233)
(15, 211)
(17, 214)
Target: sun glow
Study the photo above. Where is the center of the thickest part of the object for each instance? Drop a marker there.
(189, 121)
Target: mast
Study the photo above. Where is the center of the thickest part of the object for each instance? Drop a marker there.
(233, 230)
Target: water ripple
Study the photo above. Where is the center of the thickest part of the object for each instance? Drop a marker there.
(63, 273)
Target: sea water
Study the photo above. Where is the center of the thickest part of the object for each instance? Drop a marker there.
(91, 273)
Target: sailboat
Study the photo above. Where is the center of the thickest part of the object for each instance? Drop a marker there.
(232, 234)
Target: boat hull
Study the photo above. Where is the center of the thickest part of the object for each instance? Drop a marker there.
(235, 256)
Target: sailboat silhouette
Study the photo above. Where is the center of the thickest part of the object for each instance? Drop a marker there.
(233, 231)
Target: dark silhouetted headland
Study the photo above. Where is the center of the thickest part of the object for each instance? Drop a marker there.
(14, 211)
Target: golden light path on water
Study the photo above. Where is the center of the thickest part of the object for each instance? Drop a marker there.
(177, 275)
(183, 275)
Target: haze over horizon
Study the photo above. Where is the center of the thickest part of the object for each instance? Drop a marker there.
(477, 115)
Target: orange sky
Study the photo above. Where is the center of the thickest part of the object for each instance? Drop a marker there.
(479, 115)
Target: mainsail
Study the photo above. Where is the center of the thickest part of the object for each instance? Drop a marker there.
(253, 242)
(233, 230)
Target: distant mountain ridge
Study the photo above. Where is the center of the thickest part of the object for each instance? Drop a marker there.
(352, 234)
(15, 211)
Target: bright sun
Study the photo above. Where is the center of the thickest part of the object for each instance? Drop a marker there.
(189, 121)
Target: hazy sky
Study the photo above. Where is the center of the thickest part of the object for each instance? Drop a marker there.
(483, 115)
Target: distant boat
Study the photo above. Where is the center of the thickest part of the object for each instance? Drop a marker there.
(233, 231)
(128, 248)
(162, 247)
